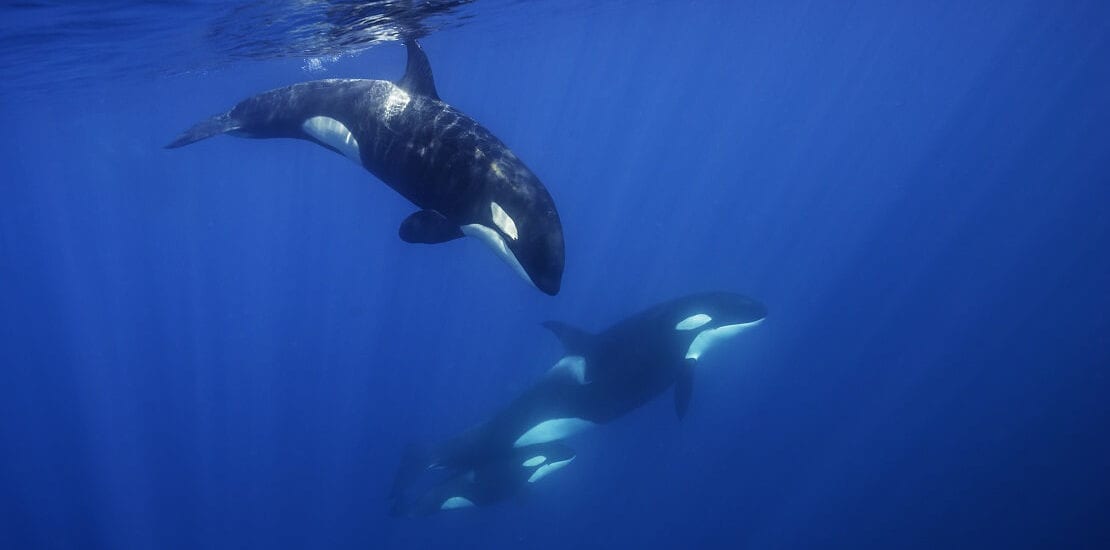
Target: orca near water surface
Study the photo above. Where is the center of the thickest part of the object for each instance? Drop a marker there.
(465, 180)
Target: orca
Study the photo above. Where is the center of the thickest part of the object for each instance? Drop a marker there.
(465, 181)
(601, 377)
(489, 483)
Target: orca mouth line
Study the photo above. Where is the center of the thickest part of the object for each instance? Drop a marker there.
(711, 337)
(496, 242)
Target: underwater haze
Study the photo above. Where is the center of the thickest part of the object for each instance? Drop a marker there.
(228, 346)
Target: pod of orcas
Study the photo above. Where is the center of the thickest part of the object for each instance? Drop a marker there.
(601, 377)
(465, 180)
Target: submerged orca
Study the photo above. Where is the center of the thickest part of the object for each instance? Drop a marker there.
(489, 483)
(602, 376)
(465, 180)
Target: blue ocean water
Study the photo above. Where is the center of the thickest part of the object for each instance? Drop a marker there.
(227, 346)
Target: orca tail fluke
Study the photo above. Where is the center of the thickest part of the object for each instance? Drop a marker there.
(219, 124)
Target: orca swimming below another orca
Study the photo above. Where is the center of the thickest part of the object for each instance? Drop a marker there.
(464, 179)
(488, 483)
(602, 377)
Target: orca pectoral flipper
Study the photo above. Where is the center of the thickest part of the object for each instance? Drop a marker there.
(684, 388)
(219, 124)
(428, 227)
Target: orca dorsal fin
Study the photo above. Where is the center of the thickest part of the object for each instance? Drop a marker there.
(418, 72)
(575, 340)
(684, 387)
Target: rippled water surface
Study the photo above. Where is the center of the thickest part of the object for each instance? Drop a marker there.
(45, 44)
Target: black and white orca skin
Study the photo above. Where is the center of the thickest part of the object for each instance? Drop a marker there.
(489, 483)
(465, 180)
(603, 376)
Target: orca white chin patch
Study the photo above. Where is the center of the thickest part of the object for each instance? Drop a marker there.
(552, 430)
(455, 503)
(692, 322)
(494, 241)
(334, 134)
(546, 469)
(710, 337)
(534, 461)
(573, 366)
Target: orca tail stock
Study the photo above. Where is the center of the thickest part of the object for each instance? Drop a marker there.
(214, 126)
